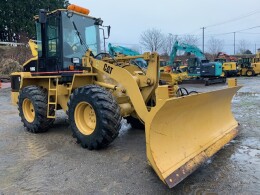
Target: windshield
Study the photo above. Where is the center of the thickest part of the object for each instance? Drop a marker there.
(163, 63)
(76, 36)
(193, 62)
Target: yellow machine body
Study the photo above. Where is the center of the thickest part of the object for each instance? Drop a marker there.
(181, 132)
(172, 78)
(256, 66)
(252, 69)
(230, 69)
(229, 66)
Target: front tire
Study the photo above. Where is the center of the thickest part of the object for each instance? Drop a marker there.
(32, 106)
(94, 117)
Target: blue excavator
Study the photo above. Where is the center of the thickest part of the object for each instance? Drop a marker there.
(171, 78)
(115, 50)
(199, 68)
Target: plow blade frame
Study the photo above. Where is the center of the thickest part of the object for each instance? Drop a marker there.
(182, 133)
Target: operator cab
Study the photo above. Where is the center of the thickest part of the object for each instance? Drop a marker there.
(245, 62)
(194, 65)
(203, 68)
(63, 37)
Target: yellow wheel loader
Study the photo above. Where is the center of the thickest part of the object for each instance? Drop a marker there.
(250, 66)
(69, 72)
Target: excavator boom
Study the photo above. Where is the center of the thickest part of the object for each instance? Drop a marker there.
(187, 48)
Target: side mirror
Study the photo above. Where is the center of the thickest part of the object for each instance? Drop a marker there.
(98, 21)
(108, 30)
(42, 16)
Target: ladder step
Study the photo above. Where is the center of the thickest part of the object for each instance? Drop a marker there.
(51, 116)
(52, 93)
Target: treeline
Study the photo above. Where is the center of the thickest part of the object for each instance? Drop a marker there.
(16, 17)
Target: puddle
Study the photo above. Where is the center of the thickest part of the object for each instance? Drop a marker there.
(248, 151)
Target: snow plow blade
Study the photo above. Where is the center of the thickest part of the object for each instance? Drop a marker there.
(182, 133)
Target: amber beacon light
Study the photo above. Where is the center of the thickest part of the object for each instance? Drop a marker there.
(79, 9)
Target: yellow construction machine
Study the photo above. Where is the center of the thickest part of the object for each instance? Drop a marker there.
(170, 76)
(69, 72)
(255, 65)
(229, 64)
(249, 66)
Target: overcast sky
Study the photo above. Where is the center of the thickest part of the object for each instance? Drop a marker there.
(129, 19)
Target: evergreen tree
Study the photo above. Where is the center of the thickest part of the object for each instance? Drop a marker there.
(16, 17)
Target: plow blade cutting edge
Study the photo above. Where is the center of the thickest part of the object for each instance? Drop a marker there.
(182, 133)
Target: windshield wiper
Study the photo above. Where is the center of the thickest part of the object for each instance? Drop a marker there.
(77, 32)
(79, 35)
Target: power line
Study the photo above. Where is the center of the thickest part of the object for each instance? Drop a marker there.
(219, 34)
(248, 28)
(237, 31)
(249, 33)
(234, 19)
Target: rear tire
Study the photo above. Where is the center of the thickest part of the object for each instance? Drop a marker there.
(250, 73)
(94, 117)
(32, 106)
(135, 123)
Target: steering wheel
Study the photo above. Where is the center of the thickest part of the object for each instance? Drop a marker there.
(101, 55)
(75, 47)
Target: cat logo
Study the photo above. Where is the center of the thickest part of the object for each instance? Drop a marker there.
(107, 69)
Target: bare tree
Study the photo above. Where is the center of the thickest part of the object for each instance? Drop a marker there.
(152, 39)
(215, 46)
(169, 41)
(189, 39)
(243, 46)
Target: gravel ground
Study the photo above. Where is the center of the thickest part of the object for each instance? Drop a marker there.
(52, 162)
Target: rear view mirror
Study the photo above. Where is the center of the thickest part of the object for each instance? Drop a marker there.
(42, 16)
(108, 30)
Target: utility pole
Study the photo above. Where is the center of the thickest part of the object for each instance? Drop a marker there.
(203, 29)
(234, 43)
(255, 48)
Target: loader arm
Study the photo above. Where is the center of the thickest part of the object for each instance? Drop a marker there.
(139, 87)
(175, 147)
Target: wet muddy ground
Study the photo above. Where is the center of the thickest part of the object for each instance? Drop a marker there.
(52, 162)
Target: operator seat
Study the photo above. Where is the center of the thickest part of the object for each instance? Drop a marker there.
(67, 49)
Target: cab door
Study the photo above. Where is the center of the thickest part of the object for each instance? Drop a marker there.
(50, 59)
